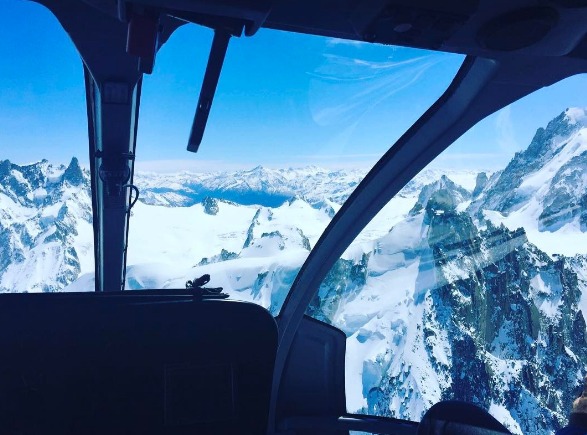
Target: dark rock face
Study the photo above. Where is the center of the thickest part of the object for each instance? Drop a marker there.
(210, 206)
(12, 250)
(17, 181)
(480, 183)
(440, 192)
(450, 232)
(503, 310)
(250, 235)
(223, 256)
(305, 241)
(345, 280)
(74, 174)
(475, 387)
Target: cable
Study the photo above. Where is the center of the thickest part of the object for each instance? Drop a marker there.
(135, 189)
(131, 203)
(131, 157)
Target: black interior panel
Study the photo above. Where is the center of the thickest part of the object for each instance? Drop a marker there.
(86, 363)
(313, 380)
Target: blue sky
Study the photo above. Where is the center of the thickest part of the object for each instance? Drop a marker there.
(283, 100)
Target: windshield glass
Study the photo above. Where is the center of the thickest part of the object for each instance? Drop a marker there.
(296, 124)
(46, 234)
(471, 283)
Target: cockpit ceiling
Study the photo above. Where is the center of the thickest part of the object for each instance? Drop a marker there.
(485, 28)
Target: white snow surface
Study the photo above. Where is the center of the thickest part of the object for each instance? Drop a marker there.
(502, 414)
(577, 115)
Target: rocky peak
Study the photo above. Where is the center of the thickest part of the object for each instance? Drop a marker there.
(35, 173)
(445, 193)
(74, 174)
(210, 206)
(223, 256)
(544, 138)
(14, 180)
(480, 183)
(441, 201)
(296, 198)
(557, 140)
(257, 170)
(43, 221)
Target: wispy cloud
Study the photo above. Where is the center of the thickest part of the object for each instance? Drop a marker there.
(386, 65)
(346, 88)
(332, 42)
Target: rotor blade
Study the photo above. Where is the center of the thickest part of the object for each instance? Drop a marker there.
(215, 61)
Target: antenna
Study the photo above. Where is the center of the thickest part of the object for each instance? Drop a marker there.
(213, 69)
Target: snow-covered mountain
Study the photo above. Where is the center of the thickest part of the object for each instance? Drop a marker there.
(461, 299)
(439, 309)
(457, 289)
(544, 188)
(45, 221)
(46, 234)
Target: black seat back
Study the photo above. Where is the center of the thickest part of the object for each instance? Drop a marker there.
(134, 363)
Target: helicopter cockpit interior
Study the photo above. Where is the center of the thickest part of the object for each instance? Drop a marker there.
(196, 360)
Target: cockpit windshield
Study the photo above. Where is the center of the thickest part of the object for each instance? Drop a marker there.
(297, 122)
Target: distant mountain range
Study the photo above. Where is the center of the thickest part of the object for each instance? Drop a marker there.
(261, 186)
(266, 187)
(468, 285)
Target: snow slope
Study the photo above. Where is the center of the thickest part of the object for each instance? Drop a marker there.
(543, 188)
